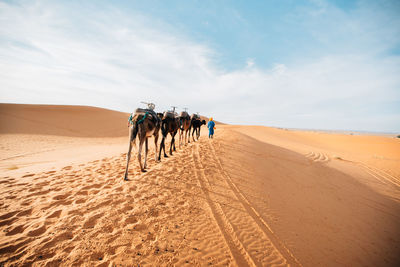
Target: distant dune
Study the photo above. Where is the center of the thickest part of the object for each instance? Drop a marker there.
(77, 121)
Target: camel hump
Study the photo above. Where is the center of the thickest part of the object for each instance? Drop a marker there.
(169, 114)
(143, 111)
(140, 112)
(195, 117)
(184, 114)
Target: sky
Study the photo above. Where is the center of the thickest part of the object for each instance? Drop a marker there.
(310, 64)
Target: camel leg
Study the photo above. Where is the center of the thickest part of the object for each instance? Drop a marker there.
(165, 154)
(189, 134)
(155, 144)
(162, 147)
(174, 140)
(141, 141)
(128, 155)
(172, 143)
(180, 137)
(183, 137)
(164, 132)
(198, 134)
(146, 149)
(185, 133)
(194, 129)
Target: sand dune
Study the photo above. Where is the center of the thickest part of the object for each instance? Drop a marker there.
(77, 121)
(253, 196)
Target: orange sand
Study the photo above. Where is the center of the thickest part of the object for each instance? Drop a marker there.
(252, 196)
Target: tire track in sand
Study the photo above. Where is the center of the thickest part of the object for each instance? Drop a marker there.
(237, 250)
(317, 157)
(277, 246)
(378, 174)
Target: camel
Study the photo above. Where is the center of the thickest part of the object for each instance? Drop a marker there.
(169, 124)
(196, 124)
(144, 124)
(185, 123)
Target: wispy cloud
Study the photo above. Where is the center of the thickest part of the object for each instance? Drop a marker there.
(250, 62)
(61, 54)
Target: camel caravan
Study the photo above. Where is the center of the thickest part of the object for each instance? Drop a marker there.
(145, 122)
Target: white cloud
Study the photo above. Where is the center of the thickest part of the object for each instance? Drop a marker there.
(279, 69)
(56, 54)
(250, 62)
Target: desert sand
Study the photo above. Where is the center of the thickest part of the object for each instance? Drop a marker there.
(252, 196)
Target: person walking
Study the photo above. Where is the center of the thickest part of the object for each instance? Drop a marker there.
(211, 127)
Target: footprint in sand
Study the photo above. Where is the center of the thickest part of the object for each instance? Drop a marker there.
(61, 197)
(16, 230)
(97, 256)
(139, 227)
(61, 202)
(131, 220)
(91, 222)
(56, 240)
(80, 201)
(94, 192)
(102, 204)
(7, 222)
(39, 231)
(25, 213)
(8, 215)
(14, 247)
(43, 183)
(34, 189)
(82, 192)
(39, 193)
(28, 175)
(91, 186)
(55, 214)
(27, 202)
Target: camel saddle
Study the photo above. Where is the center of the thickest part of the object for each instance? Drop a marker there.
(169, 114)
(143, 111)
(195, 117)
(184, 114)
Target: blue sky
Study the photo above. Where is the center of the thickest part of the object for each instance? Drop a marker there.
(300, 64)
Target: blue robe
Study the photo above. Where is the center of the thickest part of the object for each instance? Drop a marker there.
(210, 126)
